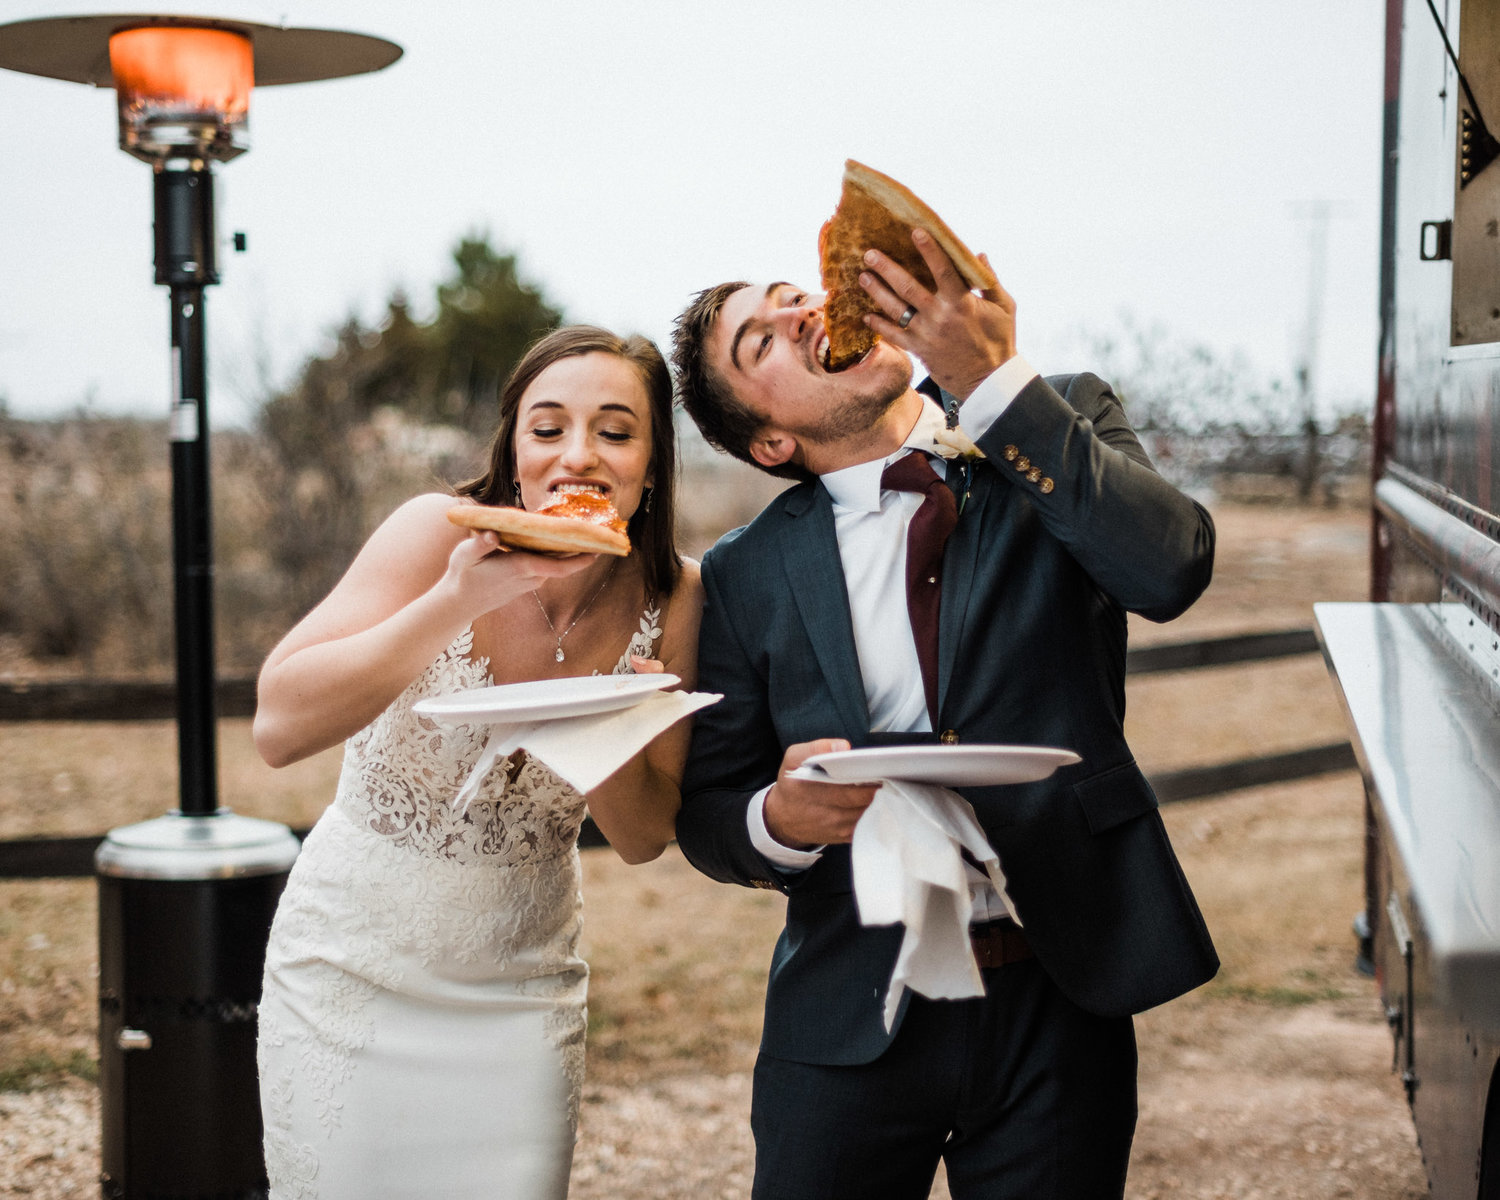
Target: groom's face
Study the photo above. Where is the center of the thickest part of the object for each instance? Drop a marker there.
(768, 346)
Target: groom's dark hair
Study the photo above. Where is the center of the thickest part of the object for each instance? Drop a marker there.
(726, 422)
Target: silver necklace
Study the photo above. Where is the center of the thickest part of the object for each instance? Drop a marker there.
(559, 655)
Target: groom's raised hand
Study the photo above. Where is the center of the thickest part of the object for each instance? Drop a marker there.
(961, 337)
(801, 814)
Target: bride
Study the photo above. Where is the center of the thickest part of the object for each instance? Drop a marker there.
(422, 1023)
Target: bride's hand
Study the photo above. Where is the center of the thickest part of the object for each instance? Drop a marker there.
(647, 666)
(487, 575)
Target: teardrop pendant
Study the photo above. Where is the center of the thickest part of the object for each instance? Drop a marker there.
(559, 655)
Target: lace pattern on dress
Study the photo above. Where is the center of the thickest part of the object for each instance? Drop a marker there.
(642, 642)
(414, 926)
(395, 891)
(402, 771)
(291, 1165)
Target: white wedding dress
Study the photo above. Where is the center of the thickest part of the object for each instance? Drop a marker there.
(423, 1016)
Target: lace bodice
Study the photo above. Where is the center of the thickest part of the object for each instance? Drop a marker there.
(402, 912)
(402, 771)
(642, 641)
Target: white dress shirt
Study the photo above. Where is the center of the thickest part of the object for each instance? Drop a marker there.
(870, 524)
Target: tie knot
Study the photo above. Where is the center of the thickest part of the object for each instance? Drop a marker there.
(912, 473)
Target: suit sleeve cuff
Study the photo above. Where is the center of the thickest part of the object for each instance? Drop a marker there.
(768, 847)
(988, 402)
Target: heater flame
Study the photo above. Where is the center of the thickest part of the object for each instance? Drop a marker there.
(186, 68)
(183, 91)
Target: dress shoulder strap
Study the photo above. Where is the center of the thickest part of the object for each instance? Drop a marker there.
(643, 641)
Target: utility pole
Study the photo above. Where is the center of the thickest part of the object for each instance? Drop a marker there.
(1317, 214)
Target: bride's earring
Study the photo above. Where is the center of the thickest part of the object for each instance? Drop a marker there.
(516, 488)
(649, 493)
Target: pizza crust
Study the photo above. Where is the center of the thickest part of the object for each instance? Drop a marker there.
(540, 533)
(876, 212)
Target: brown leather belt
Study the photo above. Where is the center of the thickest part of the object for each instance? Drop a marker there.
(999, 943)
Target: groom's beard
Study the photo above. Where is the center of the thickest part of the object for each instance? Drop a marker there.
(856, 413)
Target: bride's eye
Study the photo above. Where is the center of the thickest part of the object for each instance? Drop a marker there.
(546, 432)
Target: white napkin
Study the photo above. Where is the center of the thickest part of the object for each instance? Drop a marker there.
(586, 750)
(909, 870)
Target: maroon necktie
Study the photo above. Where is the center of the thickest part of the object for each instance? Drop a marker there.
(925, 538)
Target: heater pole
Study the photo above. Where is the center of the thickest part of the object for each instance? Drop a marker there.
(185, 263)
(186, 900)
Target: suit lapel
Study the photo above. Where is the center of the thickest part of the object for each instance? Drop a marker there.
(815, 576)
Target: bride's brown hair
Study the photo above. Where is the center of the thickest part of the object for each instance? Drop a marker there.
(653, 526)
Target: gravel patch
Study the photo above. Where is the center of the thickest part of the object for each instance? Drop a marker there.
(680, 1138)
(49, 1142)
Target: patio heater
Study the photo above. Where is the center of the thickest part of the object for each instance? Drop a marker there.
(185, 900)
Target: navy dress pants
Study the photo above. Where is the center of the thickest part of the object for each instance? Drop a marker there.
(1021, 1093)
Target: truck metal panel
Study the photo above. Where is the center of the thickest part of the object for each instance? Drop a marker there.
(1418, 669)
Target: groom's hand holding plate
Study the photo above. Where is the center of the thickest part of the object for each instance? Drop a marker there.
(801, 814)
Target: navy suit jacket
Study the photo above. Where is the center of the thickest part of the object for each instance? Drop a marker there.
(1067, 528)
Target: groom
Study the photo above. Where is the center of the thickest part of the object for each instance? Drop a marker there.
(1059, 530)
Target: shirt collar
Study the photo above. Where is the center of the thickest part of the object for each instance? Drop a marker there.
(858, 487)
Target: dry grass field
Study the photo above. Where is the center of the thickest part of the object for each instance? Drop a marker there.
(1270, 1082)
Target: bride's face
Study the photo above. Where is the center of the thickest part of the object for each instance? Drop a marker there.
(585, 422)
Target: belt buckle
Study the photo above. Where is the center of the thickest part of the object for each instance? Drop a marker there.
(998, 943)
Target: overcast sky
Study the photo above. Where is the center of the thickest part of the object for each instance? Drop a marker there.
(1158, 159)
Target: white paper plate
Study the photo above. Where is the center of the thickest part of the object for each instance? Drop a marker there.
(544, 699)
(948, 766)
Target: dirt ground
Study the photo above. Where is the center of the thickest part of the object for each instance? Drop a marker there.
(1271, 1082)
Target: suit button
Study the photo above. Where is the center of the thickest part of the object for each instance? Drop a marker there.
(1010, 453)
(1047, 485)
(949, 737)
(1034, 475)
(1023, 464)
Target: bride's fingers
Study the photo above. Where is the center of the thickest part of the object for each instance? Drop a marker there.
(483, 552)
(551, 566)
(474, 548)
(647, 666)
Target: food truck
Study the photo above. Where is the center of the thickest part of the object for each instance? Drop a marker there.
(1418, 667)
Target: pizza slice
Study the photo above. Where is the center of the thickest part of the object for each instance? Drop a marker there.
(573, 522)
(876, 212)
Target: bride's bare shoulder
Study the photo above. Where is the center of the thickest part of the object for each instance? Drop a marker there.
(427, 513)
(429, 506)
(417, 535)
(686, 605)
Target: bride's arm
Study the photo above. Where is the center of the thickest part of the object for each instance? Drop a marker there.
(636, 807)
(414, 587)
